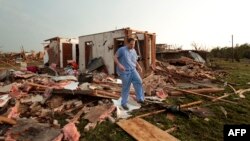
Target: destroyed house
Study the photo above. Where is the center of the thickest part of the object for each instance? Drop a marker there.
(104, 45)
(168, 54)
(60, 50)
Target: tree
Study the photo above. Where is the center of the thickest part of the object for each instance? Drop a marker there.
(196, 46)
(241, 51)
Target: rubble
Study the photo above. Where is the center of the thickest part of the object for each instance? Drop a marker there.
(28, 129)
(11, 59)
(34, 100)
(98, 113)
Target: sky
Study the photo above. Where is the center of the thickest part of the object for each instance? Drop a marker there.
(208, 23)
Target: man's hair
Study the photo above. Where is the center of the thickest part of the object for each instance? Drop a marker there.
(130, 39)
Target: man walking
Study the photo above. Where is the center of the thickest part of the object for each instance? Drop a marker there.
(126, 61)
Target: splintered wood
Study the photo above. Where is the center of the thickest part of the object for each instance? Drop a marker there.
(144, 131)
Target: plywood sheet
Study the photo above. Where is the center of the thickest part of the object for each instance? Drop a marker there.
(142, 130)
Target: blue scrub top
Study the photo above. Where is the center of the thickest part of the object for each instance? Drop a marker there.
(128, 58)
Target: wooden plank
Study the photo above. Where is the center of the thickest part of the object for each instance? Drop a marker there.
(73, 92)
(201, 90)
(207, 96)
(144, 131)
(107, 93)
(7, 120)
(92, 93)
(153, 50)
(207, 90)
(152, 113)
(38, 85)
(172, 129)
(217, 98)
(190, 104)
(146, 51)
(163, 110)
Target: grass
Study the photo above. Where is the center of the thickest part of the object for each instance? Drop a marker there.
(192, 127)
(212, 130)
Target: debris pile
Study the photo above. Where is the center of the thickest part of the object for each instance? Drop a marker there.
(48, 107)
(11, 59)
(184, 68)
(183, 72)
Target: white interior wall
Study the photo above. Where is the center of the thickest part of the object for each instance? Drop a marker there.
(99, 48)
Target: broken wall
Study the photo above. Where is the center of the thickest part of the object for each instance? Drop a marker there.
(67, 50)
(53, 52)
(62, 49)
(103, 46)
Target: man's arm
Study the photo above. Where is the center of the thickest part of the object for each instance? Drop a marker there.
(120, 66)
(138, 66)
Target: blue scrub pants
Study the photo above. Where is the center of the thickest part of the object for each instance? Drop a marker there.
(127, 78)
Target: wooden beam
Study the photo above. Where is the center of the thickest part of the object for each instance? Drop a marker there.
(190, 104)
(73, 92)
(232, 88)
(7, 120)
(171, 129)
(153, 50)
(163, 110)
(217, 98)
(194, 93)
(152, 113)
(95, 93)
(113, 94)
(146, 52)
(38, 85)
(202, 90)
